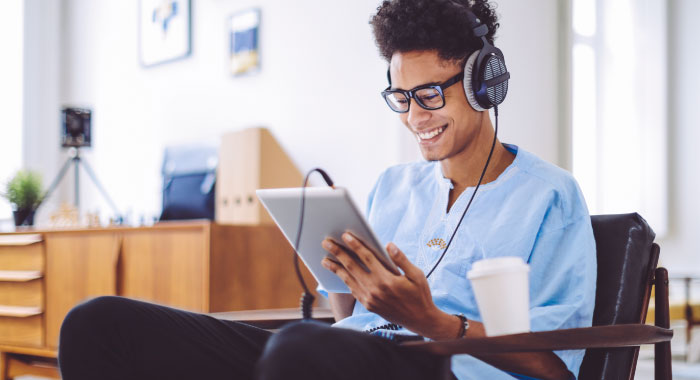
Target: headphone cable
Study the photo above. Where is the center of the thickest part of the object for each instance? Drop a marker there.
(478, 184)
(394, 326)
(307, 298)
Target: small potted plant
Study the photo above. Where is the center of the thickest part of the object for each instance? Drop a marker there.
(23, 191)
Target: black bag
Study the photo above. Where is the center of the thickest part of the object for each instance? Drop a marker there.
(189, 176)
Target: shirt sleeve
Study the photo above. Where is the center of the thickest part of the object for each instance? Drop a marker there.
(563, 281)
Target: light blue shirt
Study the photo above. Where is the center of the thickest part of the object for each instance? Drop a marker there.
(533, 210)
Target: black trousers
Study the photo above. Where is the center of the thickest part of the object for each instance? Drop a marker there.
(117, 338)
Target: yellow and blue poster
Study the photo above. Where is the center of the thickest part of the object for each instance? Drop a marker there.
(244, 37)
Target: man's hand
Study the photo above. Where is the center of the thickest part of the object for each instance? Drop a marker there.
(402, 299)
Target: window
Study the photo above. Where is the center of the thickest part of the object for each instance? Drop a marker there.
(11, 77)
(618, 56)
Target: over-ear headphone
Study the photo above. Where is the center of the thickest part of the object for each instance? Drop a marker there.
(485, 73)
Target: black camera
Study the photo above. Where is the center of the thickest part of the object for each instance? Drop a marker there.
(76, 127)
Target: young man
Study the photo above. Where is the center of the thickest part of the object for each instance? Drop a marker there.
(525, 207)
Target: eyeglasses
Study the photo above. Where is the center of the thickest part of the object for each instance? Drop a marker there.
(429, 96)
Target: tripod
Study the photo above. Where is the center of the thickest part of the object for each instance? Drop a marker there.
(74, 158)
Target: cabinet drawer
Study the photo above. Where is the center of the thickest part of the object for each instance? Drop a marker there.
(21, 327)
(21, 252)
(25, 293)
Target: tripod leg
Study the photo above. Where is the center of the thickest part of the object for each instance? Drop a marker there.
(57, 180)
(92, 175)
(76, 190)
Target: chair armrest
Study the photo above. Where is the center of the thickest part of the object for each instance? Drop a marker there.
(566, 339)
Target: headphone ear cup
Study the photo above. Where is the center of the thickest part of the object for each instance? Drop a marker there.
(495, 67)
(468, 79)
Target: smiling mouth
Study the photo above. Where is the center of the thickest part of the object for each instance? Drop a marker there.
(431, 134)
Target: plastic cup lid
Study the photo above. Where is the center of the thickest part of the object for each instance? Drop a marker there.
(497, 265)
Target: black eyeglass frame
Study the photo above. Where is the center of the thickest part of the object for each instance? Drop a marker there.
(410, 94)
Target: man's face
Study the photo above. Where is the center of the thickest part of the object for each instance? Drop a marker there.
(441, 133)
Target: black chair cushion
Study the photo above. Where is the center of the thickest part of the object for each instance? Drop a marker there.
(624, 246)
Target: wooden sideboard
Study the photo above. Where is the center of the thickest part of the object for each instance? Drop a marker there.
(196, 265)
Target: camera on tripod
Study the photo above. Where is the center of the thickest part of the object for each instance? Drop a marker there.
(76, 127)
(75, 134)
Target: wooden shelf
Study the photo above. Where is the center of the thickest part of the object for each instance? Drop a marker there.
(19, 311)
(20, 239)
(20, 275)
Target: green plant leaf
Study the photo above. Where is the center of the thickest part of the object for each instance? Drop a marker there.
(24, 190)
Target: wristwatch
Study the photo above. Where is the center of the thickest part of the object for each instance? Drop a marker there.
(463, 327)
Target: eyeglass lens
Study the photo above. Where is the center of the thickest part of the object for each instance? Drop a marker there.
(428, 98)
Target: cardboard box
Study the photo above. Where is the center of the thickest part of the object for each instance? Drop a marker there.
(250, 159)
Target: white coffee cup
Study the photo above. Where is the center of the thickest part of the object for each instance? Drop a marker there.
(501, 288)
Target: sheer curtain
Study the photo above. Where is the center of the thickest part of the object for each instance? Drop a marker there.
(619, 110)
(11, 78)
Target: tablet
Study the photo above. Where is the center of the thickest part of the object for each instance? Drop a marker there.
(328, 212)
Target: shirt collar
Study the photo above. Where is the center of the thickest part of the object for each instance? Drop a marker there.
(444, 182)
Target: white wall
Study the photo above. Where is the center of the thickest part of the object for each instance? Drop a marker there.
(11, 43)
(529, 39)
(680, 250)
(42, 82)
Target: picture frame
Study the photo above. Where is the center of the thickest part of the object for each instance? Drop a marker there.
(244, 38)
(165, 31)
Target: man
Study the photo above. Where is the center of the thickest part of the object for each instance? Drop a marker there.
(525, 207)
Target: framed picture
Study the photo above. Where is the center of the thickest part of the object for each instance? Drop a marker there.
(164, 30)
(244, 52)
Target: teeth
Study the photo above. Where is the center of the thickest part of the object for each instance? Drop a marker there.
(431, 134)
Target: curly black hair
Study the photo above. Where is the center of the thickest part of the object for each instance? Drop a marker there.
(442, 25)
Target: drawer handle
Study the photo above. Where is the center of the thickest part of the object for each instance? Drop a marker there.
(20, 275)
(19, 240)
(19, 311)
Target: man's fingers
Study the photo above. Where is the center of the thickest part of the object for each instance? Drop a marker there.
(365, 254)
(411, 271)
(340, 271)
(328, 261)
(349, 260)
